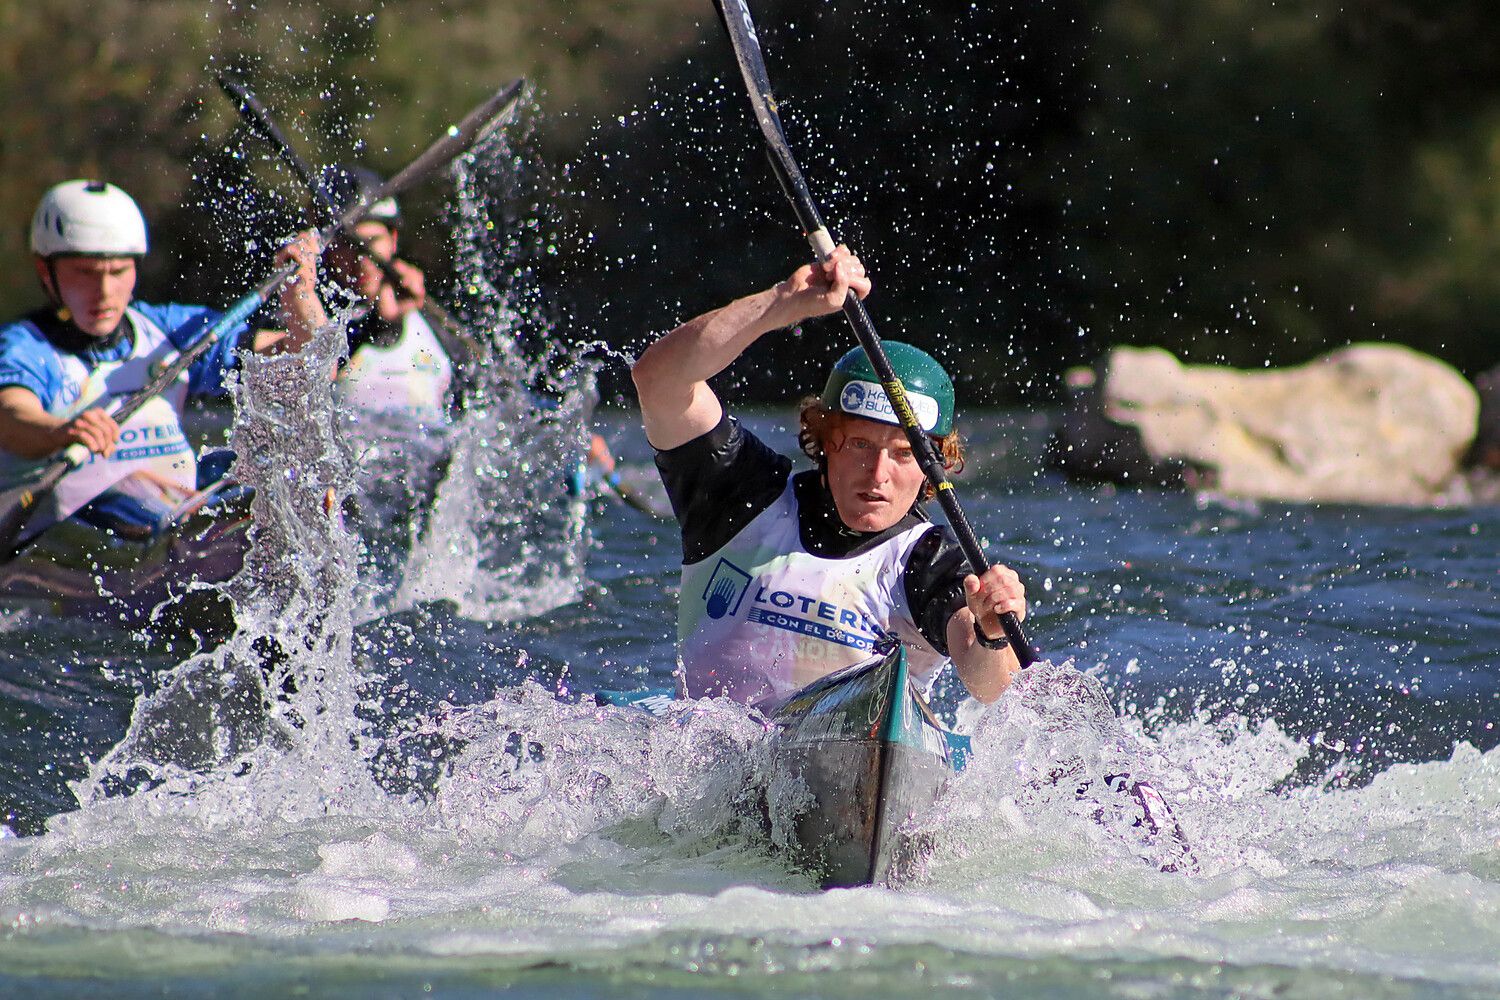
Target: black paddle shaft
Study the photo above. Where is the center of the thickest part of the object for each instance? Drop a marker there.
(741, 28)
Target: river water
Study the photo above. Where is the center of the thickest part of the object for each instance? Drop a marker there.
(419, 801)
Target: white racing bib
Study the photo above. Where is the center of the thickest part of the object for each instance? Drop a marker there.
(409, 379)
(762, 616)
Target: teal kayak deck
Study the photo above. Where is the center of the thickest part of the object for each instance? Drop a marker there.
(872, 756)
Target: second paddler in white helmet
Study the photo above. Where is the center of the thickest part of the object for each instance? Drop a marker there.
(398, 368)
(787, 578)
(62, 364)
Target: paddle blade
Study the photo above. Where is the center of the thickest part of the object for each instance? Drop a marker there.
(19, 505)
(633, 499)
(735, 15)
(500, 110)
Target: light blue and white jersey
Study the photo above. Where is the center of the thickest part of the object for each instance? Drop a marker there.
(28, 359)
(153, 463)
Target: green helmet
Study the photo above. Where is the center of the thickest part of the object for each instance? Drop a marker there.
(854, 388)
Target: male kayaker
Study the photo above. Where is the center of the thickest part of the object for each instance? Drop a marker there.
(787, 578)
(91, 343)
(398, 369)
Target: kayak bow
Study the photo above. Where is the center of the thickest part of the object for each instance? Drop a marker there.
(872, 756)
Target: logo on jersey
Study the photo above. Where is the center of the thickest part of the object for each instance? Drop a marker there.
(725, 589)
(813, 617)
(868, 400)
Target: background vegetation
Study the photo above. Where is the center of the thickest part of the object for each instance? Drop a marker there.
(1235, 180)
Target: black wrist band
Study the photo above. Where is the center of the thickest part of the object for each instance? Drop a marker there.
(986, 641)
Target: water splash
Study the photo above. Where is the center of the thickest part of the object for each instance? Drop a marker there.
(1051, 755)
(283, 683)
(534, 773)
(495, 531)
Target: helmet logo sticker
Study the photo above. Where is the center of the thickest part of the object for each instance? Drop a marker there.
(868, 400)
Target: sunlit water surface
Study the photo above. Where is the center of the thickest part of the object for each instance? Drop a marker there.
(431, 805)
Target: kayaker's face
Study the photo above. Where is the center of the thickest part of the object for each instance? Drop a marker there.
(95, 290)
(872, 473)
(354, 269)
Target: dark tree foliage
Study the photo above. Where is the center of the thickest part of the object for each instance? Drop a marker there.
(1030, 183)
(1259, 183)
(921, 129)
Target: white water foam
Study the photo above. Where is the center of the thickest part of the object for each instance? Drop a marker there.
(577, 834)
(546, 833)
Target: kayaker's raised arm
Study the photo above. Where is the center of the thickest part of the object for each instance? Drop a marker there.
(301, 312)
(671, 376)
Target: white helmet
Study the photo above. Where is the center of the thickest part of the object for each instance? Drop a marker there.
(88, 217)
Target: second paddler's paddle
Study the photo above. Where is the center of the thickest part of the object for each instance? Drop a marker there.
(737, 22)
(19, 504)
(255, 115)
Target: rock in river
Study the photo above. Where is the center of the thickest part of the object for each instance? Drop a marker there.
(1369, 423)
